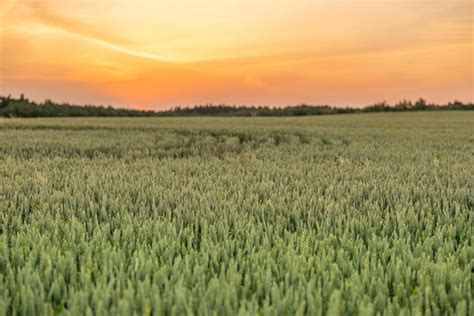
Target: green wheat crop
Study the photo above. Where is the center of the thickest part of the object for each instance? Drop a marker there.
(352, 214)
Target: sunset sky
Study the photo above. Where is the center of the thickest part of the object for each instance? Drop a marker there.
(165, 53)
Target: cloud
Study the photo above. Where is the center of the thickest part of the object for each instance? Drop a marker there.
(49, 18)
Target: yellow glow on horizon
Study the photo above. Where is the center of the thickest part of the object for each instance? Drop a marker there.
(184, 52)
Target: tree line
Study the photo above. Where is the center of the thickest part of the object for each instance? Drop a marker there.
(23, 107)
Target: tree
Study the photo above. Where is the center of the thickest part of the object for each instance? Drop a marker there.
(420, 104)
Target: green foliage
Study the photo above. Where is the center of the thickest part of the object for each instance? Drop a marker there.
(22, 107)
(354, 214)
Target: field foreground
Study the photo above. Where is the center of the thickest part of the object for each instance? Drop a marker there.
(350, 214)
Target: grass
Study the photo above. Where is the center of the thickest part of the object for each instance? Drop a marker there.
(353, 214)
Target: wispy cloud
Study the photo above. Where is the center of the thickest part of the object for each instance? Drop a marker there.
(88, 32)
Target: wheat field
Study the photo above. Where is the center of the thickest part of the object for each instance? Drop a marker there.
(346, 214)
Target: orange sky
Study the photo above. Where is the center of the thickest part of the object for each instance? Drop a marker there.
(164, 53)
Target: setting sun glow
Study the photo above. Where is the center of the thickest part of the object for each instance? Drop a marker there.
(164, 53)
